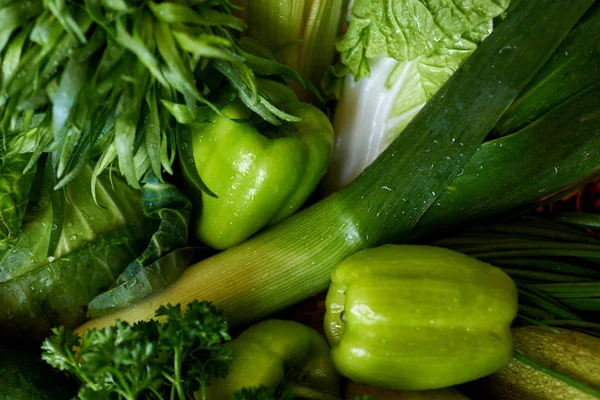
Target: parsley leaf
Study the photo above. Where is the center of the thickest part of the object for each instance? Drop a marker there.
(153, 360)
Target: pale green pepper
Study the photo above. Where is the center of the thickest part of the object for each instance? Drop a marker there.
(260, 173)
(418, 317)
(273, 352)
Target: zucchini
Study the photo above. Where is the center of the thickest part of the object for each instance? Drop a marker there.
(549, 364)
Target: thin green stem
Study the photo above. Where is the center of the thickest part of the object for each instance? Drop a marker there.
(582, 304)
(572, 323)
(533, 321)
(581, 220)
(546, 265)
(124, 387)
(537, 253)
(535, 312)
(177, 368)
(546, 303)
(542, 276)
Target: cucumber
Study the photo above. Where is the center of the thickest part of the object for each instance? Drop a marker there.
(571, 361)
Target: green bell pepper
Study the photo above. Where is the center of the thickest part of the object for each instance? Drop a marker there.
(260, 173)
(273, 352)
(418, 317)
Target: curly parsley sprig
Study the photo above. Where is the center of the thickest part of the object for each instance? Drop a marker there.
(152, 360)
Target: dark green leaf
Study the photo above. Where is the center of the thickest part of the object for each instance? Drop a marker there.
(256, 60)
(557, 150)
(62, 13)
(175, 13)
(15, 185)
(573, 68)
(163, 260)
(147, 280)
(188, 163)
(94, 245)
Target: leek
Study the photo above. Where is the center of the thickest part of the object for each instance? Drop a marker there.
(293, 260)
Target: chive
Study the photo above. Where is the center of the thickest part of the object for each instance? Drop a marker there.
(565, 378)
(573, 324)
(545, 302)
(561, 234)
(541, 276)
(535, 312)
(588, 304)
(490, 245)
(581, 220)
(546, 265)
(588, 289)
(537, 253)
(531, 321)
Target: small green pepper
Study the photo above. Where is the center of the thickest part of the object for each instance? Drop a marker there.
(418, 317)
(273, 352)
(260, 173)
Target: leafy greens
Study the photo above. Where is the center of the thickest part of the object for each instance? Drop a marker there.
(396, 56)
(97, 245)
(87, 80)
(14, 196)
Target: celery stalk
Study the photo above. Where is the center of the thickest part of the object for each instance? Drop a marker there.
(301, 33)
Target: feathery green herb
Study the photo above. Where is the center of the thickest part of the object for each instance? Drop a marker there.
(98, 79)
(151, 360)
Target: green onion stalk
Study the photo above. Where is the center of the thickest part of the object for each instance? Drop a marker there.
(435, 174)
(554, 265)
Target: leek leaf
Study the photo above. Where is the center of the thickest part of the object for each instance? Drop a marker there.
(574, 67)
(560, 148)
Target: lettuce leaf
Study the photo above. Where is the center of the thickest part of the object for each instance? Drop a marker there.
(373, 111)
(408, 29)
(124, 238)
(163, 260)
(95, 243)
(396, 56)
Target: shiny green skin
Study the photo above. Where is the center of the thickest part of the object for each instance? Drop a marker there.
(260, 176)
(418, 317)
(265, 352)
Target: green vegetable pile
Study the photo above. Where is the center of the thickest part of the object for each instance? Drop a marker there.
(176, 174)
